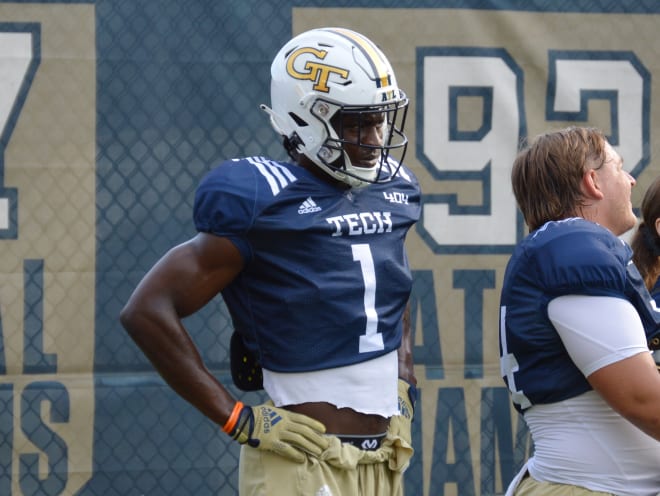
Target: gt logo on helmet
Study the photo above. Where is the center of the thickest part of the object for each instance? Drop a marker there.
(314, 71)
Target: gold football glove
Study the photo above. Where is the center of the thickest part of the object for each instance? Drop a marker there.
(286, 433)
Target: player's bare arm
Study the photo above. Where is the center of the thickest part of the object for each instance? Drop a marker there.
(632, 388)
(182, 282)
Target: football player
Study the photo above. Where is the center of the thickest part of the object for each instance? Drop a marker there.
(577, 324)
(309, 257)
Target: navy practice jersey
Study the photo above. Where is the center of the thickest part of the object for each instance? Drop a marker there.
(326, 277)
(655, 292)
(569, 257)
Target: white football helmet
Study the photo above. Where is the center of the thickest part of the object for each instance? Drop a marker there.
(329, 70)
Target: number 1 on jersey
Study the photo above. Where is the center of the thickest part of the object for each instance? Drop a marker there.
(371, 340)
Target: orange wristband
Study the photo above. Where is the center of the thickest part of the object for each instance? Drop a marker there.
(233, 417)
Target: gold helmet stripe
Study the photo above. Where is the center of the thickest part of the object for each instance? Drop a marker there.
(374, 56)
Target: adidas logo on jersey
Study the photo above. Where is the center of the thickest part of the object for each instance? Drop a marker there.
(308, 206)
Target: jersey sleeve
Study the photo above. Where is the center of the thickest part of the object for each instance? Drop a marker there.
(583, 262)
(591, 261)
(225, 202)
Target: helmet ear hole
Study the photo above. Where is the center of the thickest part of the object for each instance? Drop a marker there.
(291, 145)
(299, 120)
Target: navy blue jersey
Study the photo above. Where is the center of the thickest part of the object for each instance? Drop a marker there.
(569, 257)
(326, 277)
(655, 292)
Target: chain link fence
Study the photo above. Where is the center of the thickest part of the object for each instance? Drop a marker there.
(117, 110)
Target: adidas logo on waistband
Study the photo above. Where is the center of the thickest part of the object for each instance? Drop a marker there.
(308, 206)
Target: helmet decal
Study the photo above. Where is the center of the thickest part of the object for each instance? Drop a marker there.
(314, 71)
(371, 52)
